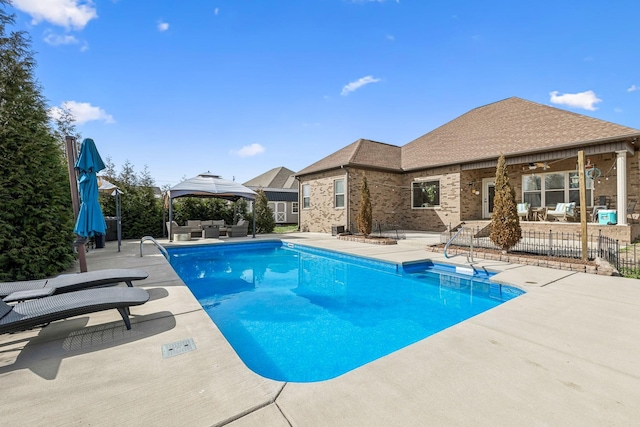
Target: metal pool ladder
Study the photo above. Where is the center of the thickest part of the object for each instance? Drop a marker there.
(155, 242)
(470, 256)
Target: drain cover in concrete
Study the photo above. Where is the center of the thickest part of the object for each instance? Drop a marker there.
(178, 347)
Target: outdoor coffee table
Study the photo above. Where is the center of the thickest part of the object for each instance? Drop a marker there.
(539, 214)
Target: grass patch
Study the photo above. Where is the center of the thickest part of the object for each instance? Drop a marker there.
(285, 228)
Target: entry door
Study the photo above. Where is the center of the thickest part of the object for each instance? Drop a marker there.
(280, 212)
(488, 194)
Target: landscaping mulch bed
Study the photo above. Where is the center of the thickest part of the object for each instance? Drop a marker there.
(370, 239)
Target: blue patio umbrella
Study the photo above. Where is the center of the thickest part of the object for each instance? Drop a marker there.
(90, 218)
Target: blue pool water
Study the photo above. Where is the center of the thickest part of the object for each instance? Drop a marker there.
(295, 313)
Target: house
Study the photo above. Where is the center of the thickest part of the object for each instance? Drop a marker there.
(281, 189)
(446, 176)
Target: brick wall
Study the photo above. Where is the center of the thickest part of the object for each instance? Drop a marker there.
(322, 213)
(391, 194)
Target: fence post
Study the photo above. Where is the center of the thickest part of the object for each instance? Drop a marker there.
(599, 253)
(550, 243)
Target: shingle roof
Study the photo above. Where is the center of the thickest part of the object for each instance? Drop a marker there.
(511, 126)
(279, 177)
(363, 152)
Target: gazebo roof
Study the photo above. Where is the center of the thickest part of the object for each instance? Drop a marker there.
(209, 185)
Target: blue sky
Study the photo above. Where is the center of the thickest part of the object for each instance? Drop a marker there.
(238, 87)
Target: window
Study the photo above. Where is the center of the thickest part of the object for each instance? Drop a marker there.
(574, 188)
(306, 196)
(549, 189)
(532, 189)
(338, 193)
(425, 194)
(294, 207)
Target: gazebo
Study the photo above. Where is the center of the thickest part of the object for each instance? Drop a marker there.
(209, 185)
(105, 186)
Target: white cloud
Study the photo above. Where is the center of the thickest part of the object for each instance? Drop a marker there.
(83, 112)
(585, 100)
(390, 37)
(633, 88)
(250, 150)
(358, 84)
(216, 11)
(59, 39)
(163, 26)
(70, 14)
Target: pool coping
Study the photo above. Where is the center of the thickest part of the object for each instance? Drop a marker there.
(565, 353)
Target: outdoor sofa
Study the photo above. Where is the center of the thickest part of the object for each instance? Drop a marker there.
(28, 289)
(41, 311)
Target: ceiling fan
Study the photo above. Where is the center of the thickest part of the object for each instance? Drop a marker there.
(543, 165)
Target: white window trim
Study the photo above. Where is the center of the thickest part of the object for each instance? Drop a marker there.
(343, 194)
(303, 197)
(426, 179)
(566, 190)
(297, 205)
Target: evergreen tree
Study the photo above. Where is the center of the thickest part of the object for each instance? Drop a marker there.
(36, 217)
(265, 222)
(365, 217)
(505, 223)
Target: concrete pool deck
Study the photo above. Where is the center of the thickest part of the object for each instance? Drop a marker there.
(564, 354)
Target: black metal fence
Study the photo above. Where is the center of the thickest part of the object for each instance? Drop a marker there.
(629, 262)
(551, 244)
(382, 229)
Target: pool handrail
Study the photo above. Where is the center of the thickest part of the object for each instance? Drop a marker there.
(470, 256)
(155, 242)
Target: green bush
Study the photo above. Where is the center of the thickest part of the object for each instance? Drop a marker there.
(36, 217)
(265, 222)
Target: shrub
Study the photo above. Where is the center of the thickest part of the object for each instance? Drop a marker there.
(36, 216)
(505, 223)
(365, 217)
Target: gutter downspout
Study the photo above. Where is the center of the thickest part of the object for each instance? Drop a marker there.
(348, 201)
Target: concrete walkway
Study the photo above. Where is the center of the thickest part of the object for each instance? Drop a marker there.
(564, 354)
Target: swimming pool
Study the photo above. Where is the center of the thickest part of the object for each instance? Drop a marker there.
(301, 314)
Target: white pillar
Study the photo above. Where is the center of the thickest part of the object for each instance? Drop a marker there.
(621, 181)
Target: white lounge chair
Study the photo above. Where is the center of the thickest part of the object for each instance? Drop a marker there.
(563, 212)
(524, 211)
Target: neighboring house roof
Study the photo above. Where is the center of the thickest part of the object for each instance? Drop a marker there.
(363, 152)
(511, 126)
(281, 194)
(279, 177)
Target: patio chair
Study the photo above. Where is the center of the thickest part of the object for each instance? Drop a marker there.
(524, 211)
(41, 311)
(239, 230)
(563, 212)
(594, 213)
(631, 217)
(17, 291)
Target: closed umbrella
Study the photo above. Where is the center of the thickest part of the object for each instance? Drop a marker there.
(90, 220)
